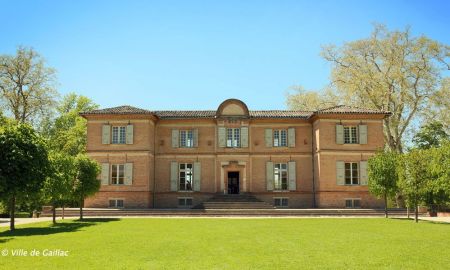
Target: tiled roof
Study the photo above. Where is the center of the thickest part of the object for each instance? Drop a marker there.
(185, 114)
(344, 109)
(126, 109)
(280, 114)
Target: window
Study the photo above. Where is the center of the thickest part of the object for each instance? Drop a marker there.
(184, 202)
(117, 174)
(280, 138)
(186, 176)
(350, 135)
(281, 202)
(186, 138)
(118, 135)
(281, 176)
(352, 203)
(116, 203)
(351, 173)
(233, 137)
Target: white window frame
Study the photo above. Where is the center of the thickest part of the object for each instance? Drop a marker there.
(278, 171)
(233, 137)
(352, 200)
(185, 200)
(187, 138)
(116, 180)
(116, 202)
(280, 138)
(119, 134)
(350, 135)
(281, 200)
(351, 171)
(188, 175)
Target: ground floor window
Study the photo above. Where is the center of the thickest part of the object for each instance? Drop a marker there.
(186, 170)
(351, 173)
(116, 203)
(280, 176)
(117, 174)
(184, 202)
(352, 203)
(281, 202)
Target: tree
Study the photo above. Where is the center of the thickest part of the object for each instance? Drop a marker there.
(27, 86)
(304, 100)
(23, 164)
(382, 172)
(430, 135)
(390, 71)
(59, 184)
(86, 182)
(439, 169)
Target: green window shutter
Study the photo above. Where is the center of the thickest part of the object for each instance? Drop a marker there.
(175, 138)
(363, 173)
(221, 133)
(106, 134)
(291, 137)
(244, 136)
(129, 134)
(105, 174)
(340, 172)
(197, 176)
(268, 133)
(128, 174)
(269, 175)
(173, 176)
(195, 136)
(362, 134)
(339, 134)
(292, 175)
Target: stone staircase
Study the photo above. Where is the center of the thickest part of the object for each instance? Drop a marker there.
(233, 201)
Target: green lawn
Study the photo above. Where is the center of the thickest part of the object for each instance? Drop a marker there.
(232, 244)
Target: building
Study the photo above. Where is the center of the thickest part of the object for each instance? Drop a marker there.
(295, 159)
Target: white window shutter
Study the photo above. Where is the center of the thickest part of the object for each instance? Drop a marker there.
(128, 174)
(292, 175)
(175, 138)
(291, 137)
(362, 134)
(268, 137)
(363, 173)
(244, 136)
(197, 176)
(221, 133)
(173, 176)
(195, 136)
(340, 172)
(339, 134)
(269, 175)
(106, 134)
(105, 174)
(129, 134)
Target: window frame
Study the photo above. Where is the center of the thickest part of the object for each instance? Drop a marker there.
(280, 138)
(185, 200)
(233, 137)
(351, 135)
(116, 203)
(278, 176)
(352, 203)
(120, 136)
(281, 200)
(186, 138)
(116, 181)
(352, 170)
(187, 187)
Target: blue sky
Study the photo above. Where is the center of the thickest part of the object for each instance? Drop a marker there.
(195, 54)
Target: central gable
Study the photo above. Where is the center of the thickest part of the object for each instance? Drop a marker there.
(232, 108)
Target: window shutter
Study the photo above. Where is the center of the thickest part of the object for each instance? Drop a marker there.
(128, 174)
(339, 134)
(269, 175)
(362, 134)
(105, 174)
(175, 138)
(244, 136)
(106, 134)
(363, 173)
(221, 134)
(195, 136)
(129, 138)
(197, 176)
(340, 172)
(292, 175)
(268, 137)
(291, 137)
(173, 176)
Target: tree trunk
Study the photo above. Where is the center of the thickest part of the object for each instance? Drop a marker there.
(385, 206)
(12, 212)
(407, 211)
(62, 212)
(416, 213)
(81, 209)
(54, 214)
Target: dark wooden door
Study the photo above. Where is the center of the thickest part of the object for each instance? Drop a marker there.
(233, 182)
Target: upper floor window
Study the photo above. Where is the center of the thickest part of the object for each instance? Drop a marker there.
(350, 134)
(280, 138)
(186, 138)
(185, 177)
(118, 135)
(351, 173)
(117, 174)
(233, 137)
(280, 176)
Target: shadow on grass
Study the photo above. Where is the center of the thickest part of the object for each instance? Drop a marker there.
(411, 219)
(74, 226)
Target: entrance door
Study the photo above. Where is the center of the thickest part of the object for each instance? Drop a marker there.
(233, 182)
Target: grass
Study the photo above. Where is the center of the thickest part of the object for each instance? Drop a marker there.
(231, 244)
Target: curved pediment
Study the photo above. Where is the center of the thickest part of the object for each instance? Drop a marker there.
(232, 108)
